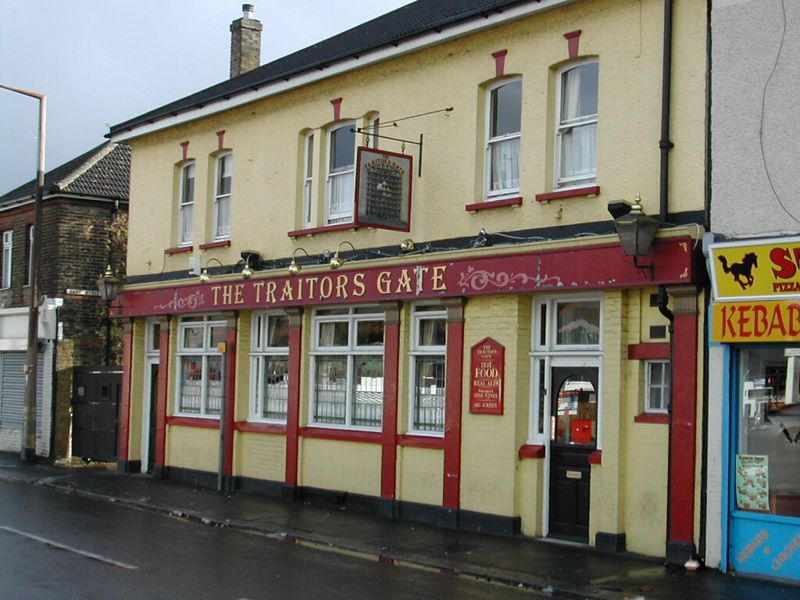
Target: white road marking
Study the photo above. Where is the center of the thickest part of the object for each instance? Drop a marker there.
(55, 544)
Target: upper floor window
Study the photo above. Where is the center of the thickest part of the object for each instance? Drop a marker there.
(186, 205)
(308, 182)
(200, 382)
(8, 247)
(222, 197)
(270, 367)
(428, 368)
(576, 136)
(657, 386)
(29, 256)
(503, 139)
(347, 367)
(341, 174)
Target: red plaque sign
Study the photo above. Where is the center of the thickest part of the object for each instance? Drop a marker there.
(487, 371)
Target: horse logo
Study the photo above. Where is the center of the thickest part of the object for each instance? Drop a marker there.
(742, 272)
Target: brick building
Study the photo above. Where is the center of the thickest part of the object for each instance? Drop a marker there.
(83, 229)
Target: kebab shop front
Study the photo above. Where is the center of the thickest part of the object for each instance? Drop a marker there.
(756, 319)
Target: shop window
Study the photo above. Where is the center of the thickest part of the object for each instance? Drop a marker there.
(222, 197)
(341, 174)
(657, 387)
(428, 360)
(186, 205)
(576, 133)
(269, 360)
(503, 140)
(8, 248)
(347, 368)
(200, 381)
(767, 462)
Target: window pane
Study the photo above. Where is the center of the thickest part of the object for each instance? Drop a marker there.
(506, 109)
(155, 336)
(504, 164)
(432, 332)
(278, 332)
(224, 182)
(767, 461)
(193, 337)
(223, 217)
(578, 152)
(186, 223)
(579, 92)
(214, 385)
(341, 193)
(333, 334)
(429, 393)
(369, 333)
(191, 385)
(218, 335)
(343, 144)
(187, 185)
(276, 387)
(330, 390)
(578, 323)
(368, 392)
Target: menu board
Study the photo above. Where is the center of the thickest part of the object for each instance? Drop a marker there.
(752, 482)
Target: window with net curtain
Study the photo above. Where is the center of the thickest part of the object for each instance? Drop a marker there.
(270, 367)
(200, 383)
(341, 174)
(348, 367)
(503, 141)
(186, 205)
(222, 198)
(576, 137)
(429, 369)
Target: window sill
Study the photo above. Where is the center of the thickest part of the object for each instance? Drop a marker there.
(532, 451)
(596, 457)
(217, 244)
(649, 351)
(256, 427)
(421, 441)
(324, 229)
(487, 204)
(344, 435)
(203, 422)
(570, 193)
(179, 250)
(653, 418)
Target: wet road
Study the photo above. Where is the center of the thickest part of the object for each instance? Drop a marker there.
(60, 546)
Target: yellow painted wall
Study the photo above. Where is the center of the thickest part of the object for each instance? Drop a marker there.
(420, 472)
(531, 494)
(193, 448)
(347, 466)
(260, 456)
(244, 343)
(136, 392)
(626, 36)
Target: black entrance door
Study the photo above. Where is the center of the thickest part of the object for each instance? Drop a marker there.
(572, 440)
(95, 402)
(151, 419)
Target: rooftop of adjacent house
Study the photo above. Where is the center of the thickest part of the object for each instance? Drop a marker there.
(102, 172)
(392, 29)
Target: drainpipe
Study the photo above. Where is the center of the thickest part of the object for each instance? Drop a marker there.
(665, 144)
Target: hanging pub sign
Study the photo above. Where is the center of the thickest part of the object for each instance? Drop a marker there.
(383, 189)
(487, 371)
(767, 269)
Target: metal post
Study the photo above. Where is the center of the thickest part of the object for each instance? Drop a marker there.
(28, 446)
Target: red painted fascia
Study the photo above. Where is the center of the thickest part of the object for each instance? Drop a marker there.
(229, 405)
(452, 419)
(489, 204)
(193, 422)
(125, 394)
(649, 351)
(421, 441)
(391, 359)
(250, 427)
(161, 396)
(293, 410)
(342, 435)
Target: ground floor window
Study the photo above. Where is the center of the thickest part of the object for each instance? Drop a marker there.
(200, 381)
(269, 359)
(347, 367)
(428, 362)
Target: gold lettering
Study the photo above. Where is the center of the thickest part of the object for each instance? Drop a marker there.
(341, 289)
(312, 285)
(437, 278)
(270, 295)
(325, 288)
(358, 284)
(239, 294)
(227, 294)
(287, 295)
(257, 286)
(216, 289)
(384, 282)
(403, 283)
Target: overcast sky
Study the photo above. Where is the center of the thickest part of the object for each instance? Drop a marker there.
(101, 62)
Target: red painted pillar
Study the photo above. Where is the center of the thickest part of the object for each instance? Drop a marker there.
(391, 361)
(161, 398)
(683, 425)
(452, 414)
(230, 399)
(293, 411)
(125, 398)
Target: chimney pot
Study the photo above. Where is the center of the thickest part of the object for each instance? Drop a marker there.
(247, 11)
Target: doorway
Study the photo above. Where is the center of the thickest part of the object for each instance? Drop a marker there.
(573, 437)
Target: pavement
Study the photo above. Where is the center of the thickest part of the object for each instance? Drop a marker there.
(557, 569)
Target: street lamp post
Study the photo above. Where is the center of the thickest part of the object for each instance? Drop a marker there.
(108, 286)
(28, 446)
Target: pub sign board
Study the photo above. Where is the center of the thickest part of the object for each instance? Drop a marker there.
(383, 189)
(487, 372)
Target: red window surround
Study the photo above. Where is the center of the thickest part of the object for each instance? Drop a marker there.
(486, 204)
(532, 451)
(571, 193)
(218, 244)
(179, 250)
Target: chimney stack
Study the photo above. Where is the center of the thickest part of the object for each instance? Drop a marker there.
(245, 42)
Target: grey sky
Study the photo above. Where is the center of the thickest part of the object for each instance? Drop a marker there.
(101, 62)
